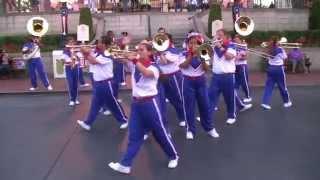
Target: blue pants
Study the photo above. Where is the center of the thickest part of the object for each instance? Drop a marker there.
(72, 75)
(81, 77)
(103, 95)
(242, 79)
(170, 88)
(118, 72)
(195, 90)
(275, 75)
(223, 83)
(146, 116)
(34, 65)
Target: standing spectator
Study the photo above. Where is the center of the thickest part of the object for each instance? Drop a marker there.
(4, 63)
(178, 5)
(125, 4)
(35, 5)
(295, 57)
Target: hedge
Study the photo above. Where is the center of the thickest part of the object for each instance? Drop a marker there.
(315, 15)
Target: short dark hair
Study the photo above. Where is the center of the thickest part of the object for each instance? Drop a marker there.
(107, 40)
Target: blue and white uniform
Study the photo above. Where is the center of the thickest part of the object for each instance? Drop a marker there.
(223, 81)
(81, 66)
(194, 90)
(35, 64)
(146, 116)
(103, 94)
(276, 75)
(170, 81)
(72, 75)
(242, 72)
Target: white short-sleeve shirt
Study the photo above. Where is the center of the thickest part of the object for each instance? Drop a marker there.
(103, 70)
(220, 65)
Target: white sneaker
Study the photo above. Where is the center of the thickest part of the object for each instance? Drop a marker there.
(84, 125)
(266, 106)
(167, 100)
(216, 108)
(214, 133)
(173, 163)
(72, 103)
(145, 137)
(120, 168)
(288, 104)
(107, 112)
(189, 135)
(50, 88)
(124, 125)
(77, 102)
(85, 85)
(231, 121)
(123, 84)
(247, 100)
(32, 89)
(182, 123)
(198, 119)
(119, 100)
(246, 107)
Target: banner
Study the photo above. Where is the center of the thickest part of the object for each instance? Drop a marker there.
(58, 65)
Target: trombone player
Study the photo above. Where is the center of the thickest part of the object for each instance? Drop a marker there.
(276, 74)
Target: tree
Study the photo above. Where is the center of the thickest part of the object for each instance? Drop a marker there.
(314, 21)
(86, 18)
(214, 14)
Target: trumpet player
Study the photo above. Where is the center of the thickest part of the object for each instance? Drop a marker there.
(194, 88)
(276, 75)
(101, 67)
(71, 62)
(145, 110)
(31, 53)
(241, 74)
(170, 80)
(223, 79)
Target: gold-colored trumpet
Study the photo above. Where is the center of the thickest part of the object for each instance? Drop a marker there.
(205, 52)
(117, 53)
(160, 42)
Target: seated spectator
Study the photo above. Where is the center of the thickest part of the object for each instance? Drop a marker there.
(4, 63)
(295, 57)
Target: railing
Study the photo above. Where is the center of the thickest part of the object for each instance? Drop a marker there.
(26, 6)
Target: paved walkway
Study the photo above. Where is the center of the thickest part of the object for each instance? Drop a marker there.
(257, 79)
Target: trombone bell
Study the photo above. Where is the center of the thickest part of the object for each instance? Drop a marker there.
(244, 26)
(161, 42)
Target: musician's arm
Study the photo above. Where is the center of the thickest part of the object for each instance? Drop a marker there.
(30, 55)
(145, 71)
(186, 63)
(230, 54)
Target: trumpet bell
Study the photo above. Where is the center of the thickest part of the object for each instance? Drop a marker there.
(205, 52)
(283, 40)
(244, 26)
(161, 42)
(37, 26)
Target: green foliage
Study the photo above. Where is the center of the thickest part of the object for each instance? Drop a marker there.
(314, 21)
(214, 14)
(86, 18)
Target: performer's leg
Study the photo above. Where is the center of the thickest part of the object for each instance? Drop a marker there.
(136, 133)
(114, 106)
(228, 94)
(96, 103)
(153, 115)
(32, 73)
(281, 82)
(173, 93)
(42, 73)
(188, 95)
(203, 103)
(268, 88)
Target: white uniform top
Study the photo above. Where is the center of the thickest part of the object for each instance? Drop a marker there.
(279, 56)
(194, 69)
(34, 48)
(220, 65)
(144, 86)
(67, 57)
(239, 59)
(172, 67)
(103, 70)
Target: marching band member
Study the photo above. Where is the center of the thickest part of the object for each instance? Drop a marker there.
(276, 75)
(101, 67)
(223, 79)
(72, 72)
(145, 111)
(82, 82)
(31, 53)
(194, 88)
(242, 70)
(170, 81)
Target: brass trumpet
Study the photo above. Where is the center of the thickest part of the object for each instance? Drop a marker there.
(117, 53)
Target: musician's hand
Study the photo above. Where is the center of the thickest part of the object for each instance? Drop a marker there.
(85, 51)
